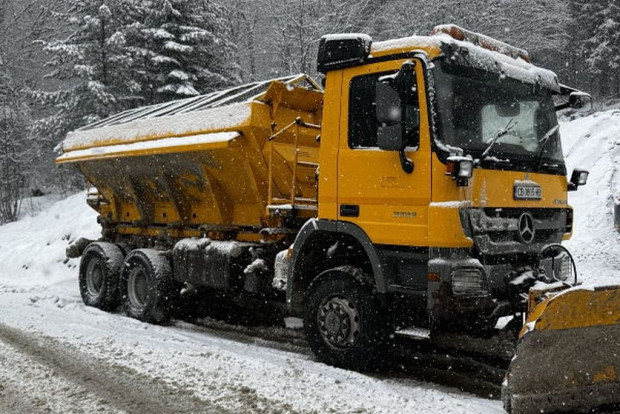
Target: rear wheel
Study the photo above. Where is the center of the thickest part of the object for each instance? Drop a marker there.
(100, 269)
(148, 290)
(343, 320)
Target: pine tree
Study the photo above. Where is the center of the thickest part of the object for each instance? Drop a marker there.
(602, 47)
(181, 49)
(595, 40)
(91, 64)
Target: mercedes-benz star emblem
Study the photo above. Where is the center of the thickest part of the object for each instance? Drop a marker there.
(526, 228)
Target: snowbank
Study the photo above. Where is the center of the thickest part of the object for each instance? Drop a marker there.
(32, 250)
(593, 143)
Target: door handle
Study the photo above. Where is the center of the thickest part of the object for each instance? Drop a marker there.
(349, 210)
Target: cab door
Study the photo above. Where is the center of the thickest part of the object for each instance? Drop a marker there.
(374, 191)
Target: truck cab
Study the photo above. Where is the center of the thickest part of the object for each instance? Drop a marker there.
(442, 169)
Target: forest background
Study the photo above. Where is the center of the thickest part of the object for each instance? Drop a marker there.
(67, 63)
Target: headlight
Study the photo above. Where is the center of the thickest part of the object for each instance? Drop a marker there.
(460, 168)
(466, 168)
(468, 281)
(583, 177)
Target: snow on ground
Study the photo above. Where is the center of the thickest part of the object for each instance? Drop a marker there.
(40, 306)
(39, 297)
(593, 143)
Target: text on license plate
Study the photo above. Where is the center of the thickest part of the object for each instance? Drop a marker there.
(528, 192)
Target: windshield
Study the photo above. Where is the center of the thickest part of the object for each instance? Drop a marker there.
(495, 119)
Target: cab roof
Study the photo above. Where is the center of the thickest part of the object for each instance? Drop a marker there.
(459, 46)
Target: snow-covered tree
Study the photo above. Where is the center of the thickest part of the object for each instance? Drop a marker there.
(180, 48)
(16, 151)
(91, 65)
(595, 33)
(21, 23)
(278, 38)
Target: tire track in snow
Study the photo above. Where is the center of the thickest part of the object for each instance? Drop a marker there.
(114, 388)
(27, 386)
(463, 367)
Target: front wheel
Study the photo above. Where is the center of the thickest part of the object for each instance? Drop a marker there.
(148, 291)
(343, 320)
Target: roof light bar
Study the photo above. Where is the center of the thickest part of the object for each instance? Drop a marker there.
(481, 40)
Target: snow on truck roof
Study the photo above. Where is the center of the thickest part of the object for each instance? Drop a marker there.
(481, 51)
(214, 112)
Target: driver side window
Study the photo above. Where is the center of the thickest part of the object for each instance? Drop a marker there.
(363, 123)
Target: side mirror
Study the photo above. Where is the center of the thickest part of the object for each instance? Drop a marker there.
(396, 112)
(579, 100)
(577, 179)
(576, 98)
(389, 109)
(390, 137)
(389, 114)
(558, 264)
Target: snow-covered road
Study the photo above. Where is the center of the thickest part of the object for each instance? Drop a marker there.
(87, 360)
(56, 355)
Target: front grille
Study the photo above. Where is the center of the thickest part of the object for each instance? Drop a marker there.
(497, 229)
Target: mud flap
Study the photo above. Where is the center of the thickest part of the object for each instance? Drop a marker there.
(568, 357)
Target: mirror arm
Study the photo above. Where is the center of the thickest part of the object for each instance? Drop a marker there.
(405, 162)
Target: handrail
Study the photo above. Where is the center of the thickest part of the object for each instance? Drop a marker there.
(299, 122)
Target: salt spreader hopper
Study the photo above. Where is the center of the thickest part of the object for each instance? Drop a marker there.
(205, 162)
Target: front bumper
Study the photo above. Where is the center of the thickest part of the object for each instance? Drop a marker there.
(465, 287)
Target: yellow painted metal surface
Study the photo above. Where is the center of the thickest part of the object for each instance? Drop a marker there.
(487, 188)
(393, 205)
(328, 156)
(216, 185)
(422, 208)
(576, 309)
(568, 355)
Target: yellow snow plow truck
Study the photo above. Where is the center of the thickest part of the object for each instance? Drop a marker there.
(423, 184)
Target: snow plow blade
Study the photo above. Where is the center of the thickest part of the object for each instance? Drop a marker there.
(568, 356)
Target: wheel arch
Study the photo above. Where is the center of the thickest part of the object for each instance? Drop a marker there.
(311, 257)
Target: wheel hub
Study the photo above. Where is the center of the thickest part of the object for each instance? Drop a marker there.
(338, 322)
(94, 278)
(137, 287)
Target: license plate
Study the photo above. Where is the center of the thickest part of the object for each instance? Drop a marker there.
(529, 192)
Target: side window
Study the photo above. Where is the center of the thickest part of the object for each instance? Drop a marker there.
(363, 123)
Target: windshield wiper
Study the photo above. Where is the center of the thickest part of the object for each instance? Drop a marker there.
(542, 142)
(502, 132)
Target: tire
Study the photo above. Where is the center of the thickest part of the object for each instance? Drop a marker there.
(344, 320)
(100, 269)
(148, 292)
